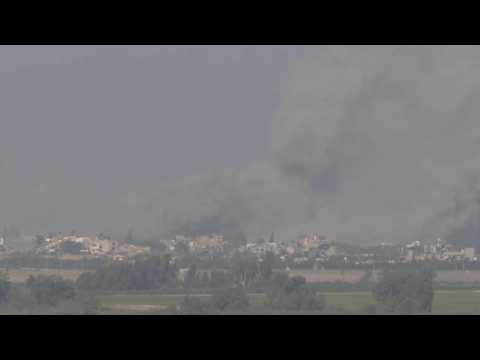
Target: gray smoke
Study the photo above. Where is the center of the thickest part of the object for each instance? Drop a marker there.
(369, 144)
(381, 137)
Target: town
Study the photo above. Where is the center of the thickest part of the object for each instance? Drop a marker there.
(313, 251)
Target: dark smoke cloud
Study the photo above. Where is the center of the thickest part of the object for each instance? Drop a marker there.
(369, 144)
(379, 137)
(250, 203)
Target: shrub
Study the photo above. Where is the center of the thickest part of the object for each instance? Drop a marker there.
(293, 293)
(50, 290)
(5, 287)
(405, 292)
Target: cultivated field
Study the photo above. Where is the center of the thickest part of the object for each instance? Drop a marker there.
(352, 276)
(445, 302)
(448, 302)
(155, 302)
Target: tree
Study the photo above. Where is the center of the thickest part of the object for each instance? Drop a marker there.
(224, 301)
(191, 276)
(232, 299)
(244, 270)
(422, 287)
(21, 298)
(266, 267)
(91, 305)
(152, 272)
(193, 306)
(50, 290)
(5, 287)
(405, 292)
(205, 279)
(293, 293)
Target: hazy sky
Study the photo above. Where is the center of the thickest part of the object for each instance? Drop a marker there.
(83, 123)
(361, 143)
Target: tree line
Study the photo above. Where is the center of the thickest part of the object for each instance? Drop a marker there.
(45, 294)
(408, 291)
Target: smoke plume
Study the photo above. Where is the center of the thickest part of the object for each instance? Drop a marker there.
(369, 144)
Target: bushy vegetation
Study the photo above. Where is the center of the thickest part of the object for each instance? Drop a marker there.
(222, 291)
(227, 301)
(44, 295)
(293, 293)
(50, 290)
(405, 292)
(245, 271)
(192, 306)
(248, 272)
(142, 274)
(4, 287)
(285, 294)
(215, 279)
(233, 299)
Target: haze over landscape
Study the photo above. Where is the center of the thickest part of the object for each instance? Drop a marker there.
(361, 143)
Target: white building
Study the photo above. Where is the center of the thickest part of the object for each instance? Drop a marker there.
(469, 253)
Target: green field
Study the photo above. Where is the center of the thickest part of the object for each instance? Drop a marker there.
(458, 292)
(445, 302)
(352, 276)
(155, 302)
